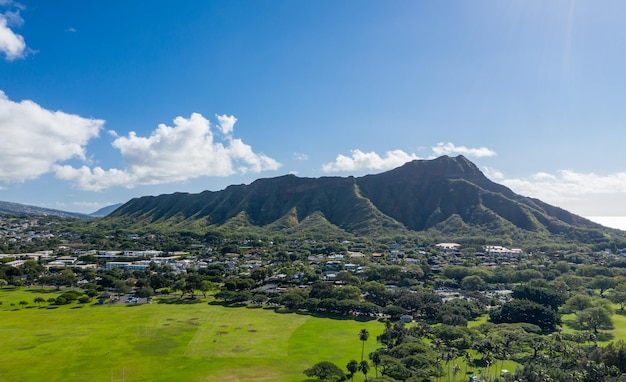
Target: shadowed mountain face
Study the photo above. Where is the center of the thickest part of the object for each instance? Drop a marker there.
(418, 196)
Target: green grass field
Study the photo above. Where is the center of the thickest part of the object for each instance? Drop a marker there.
(186, 342)
(168, 342)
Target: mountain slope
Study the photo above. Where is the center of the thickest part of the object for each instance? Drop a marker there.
(104, 211)
(23, 209)
(418, 196)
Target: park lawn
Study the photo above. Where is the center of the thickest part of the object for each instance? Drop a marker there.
(605, 336)
(619, 327)
(478, 321)
(165, 342)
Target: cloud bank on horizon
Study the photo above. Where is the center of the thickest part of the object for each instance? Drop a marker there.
(566, 186)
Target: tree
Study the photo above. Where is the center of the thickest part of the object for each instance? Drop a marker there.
(145, 291)
(364, 367)
(618, 296)
(376, 359)
(157, 281)
(603, 283)
(3, 283)
(473, 283)
(456, 370)
(544, 296)
(193, 282)
(614, 354)
(292, 301)
(65, 278)
(393, 368)
(23, 303)
(205, 286)
(578, 302)
(363, 336)
(393, 335)
(38, 300)
(325, 371)
(450, 355)
(526, 311)
(353, 367)
(595, 318)
(468, 360)
(121, 287)
(348, 292)
(376, 293)
(394, 311)
(259, 274)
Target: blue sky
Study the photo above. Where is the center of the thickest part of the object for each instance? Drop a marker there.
(105, 101)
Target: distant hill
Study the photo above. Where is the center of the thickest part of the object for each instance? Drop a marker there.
(444, 196)
(23, 209)
(104, 211)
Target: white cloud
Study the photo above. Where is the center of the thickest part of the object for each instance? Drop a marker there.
(172, 154)
(583, 193)
(360, 160)
(569, 184)
(300, 156)
(97, 179)
(11, 44)
(34, 139)
(226, 123)
(451, 149)
(493, 173)
(369, 161)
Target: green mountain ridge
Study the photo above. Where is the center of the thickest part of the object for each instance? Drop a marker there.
(422, 195)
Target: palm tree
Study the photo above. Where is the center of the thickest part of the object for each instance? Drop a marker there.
(438, 368)
(468, 359)
(450, 355)
(353, 367)
(456, 370)
(375, 357)
(438, 345)
(502, 354)
(364, 367)
(488, 358)
(363, 336)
